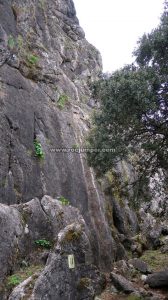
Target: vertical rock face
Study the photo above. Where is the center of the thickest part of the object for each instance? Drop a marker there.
(46, 66)
(66, 260)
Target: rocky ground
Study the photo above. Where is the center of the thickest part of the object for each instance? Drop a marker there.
(129, 283)
(46, 254)
(144, 274)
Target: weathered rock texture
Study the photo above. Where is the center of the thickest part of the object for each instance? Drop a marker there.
(121, 283)
(46, 66)
(22, 225)
(58, 281)
(159, 279)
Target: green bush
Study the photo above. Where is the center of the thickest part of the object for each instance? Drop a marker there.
(11, 42)
(62, 101)
(16, 43)
(43, 243)
(14, 280)
(75, 146)
(63, 200)
(132, 119)
(38, 149)
(32, 59)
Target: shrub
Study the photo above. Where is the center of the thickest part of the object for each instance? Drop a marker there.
(11, 42)
(16, 43)
(38, 149)
(14, 280)
(75, 146)
(63, 200)
(62, 101)
(43, 243)
(32, 59)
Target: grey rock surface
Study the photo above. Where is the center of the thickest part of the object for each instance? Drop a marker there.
(151, 227)
(58, 280)
(22, 225)
(139, 265)
(10, 233)
(19, 292)
(46, 67)
(118, 217)
(158, 279)
(121, 283)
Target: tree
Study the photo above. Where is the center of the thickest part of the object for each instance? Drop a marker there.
(133, 117)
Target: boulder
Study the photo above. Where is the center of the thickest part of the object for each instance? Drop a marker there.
(122, 267)
(20, 291)
(10, 233)
(153, 237)
(22, 225)
(68, 270)
(165, 228)
(63, 281)
(151, 229)
(164, 249)
(139, 265)
(121, 283)
(158, 279)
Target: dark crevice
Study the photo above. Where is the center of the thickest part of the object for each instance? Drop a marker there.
(3, 64)
(11, 125)
(12, 85)
(47, 95)
(10, 142)
(42, 207)
(37, 127)
(10, 157)
(13, 67)
(14, 13)
(9, 122)
(34, 130)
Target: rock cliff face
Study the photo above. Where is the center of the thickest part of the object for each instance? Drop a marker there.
(46, 66)
(40, 235)
(48, 248)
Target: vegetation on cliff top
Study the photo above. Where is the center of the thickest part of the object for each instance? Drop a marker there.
(133, 117)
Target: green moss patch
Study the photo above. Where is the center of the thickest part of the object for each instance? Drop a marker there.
(62, 101)
(155, 259)
(84, 283)
(133, 297)
(21, 275)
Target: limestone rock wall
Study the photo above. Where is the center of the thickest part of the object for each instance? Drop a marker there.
(46, 66)
(23, 228)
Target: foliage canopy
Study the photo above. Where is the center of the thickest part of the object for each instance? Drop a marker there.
(133, 117)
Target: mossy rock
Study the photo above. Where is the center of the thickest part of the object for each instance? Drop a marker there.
(134, 297)
(156, 260)
(72, 235)
(21, 275)
(84, 283)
